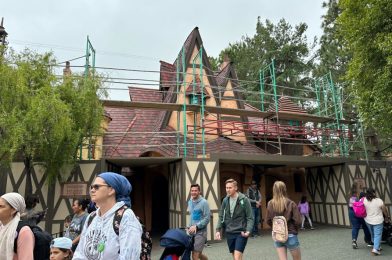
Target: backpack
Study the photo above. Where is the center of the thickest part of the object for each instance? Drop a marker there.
(279, 229)
(42, 241)
(359, 208)
(145, 253)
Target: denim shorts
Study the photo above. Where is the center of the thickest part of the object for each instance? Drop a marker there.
(292, 243)
(236, 242)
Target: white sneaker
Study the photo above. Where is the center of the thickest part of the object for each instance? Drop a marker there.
(376, 252)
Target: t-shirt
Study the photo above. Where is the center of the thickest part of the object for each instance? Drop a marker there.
(76, 226)
(233, 202)
(374, 214)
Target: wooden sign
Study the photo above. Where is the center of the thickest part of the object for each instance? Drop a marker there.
(73, 190)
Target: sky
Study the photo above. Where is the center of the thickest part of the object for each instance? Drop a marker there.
(138, 34)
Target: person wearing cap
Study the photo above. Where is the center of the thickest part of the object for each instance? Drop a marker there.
(11, 206)
(61, 249)
(110, 191)
(254, 196)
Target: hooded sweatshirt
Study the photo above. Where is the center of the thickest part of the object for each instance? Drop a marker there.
(99, 240)
(242, 218)
(199, 212)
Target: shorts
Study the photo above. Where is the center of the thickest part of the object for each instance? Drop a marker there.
(236, 242)
(292, 243)
(200, 240)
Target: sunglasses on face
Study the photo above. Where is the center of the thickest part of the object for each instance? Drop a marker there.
(97, 186)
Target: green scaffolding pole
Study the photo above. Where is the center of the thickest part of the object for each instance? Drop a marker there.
(184, 97)
(90, 51)
(178, 112)
(203, 143)
(261, 75)
(271, 69)
(337, 114)
(195, 99)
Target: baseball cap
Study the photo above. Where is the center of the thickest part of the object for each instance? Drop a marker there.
(61, 242)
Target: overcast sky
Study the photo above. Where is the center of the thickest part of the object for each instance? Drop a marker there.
(137, 34)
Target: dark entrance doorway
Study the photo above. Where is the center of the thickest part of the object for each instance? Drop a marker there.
(160, 205)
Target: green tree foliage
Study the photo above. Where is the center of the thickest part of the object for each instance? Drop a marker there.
(366, 28)
(332, 55)
(44, 118)
(288, 47)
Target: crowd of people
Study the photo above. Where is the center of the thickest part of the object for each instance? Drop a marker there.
(112, 231)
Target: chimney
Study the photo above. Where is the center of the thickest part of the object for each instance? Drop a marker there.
(3, 33)
(67, 70)
(226, 61)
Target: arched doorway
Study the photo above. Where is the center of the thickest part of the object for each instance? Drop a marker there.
(160, 205)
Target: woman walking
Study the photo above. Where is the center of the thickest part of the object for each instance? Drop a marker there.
(76, 226)
(11, 206)
(304, 209)
(375, 212)
(113, 231)
(281, 205)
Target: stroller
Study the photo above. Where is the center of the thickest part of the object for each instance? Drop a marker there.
(387, 233)
(177, 244)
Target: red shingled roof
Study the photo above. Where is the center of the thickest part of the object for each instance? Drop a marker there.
(286, 105)
(144, 94)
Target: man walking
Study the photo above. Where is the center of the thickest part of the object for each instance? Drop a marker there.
(254, 196)
(235, 216)
(199, 212)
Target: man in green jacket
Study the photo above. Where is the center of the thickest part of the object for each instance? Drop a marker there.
(236, 218)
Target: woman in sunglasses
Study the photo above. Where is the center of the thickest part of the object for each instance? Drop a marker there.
(11, 206)
(60, 249)
(103, 235)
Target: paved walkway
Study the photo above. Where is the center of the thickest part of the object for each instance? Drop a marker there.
(325, 242)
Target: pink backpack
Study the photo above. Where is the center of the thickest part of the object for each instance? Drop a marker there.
(359, 208)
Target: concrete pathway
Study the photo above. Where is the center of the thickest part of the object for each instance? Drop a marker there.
(325, 242)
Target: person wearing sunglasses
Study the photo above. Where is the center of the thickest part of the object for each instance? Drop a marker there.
(99, 240)
(60, 249)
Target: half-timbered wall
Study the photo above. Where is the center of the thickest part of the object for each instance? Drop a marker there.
(181, 176)
(329, 188)
(14, 179)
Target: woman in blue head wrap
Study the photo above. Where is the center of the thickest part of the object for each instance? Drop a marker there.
(110, 191)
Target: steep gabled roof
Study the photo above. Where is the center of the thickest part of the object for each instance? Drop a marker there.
(194, 40)
(286, 105)
(222, 77)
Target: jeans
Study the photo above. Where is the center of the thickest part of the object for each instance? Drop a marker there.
(256, 215)
(303, 220)
(376, 233)
(356, 224)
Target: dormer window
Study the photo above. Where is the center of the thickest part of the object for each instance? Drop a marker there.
(194, 92)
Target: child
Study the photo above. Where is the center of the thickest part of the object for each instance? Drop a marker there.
(67, 222)
(60, 249)
(303, 207)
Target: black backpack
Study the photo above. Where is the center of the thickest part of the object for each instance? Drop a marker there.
(42, 241)
(145, 253)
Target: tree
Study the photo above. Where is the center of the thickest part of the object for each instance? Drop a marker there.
(44, 118)
(332, 55)
(288, 47)
(366, 29)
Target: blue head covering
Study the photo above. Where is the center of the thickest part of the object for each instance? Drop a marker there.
(120, 184)
(61, 242)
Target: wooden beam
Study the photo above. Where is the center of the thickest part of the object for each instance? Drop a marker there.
(223, 111)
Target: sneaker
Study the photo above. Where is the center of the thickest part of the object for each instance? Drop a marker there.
(302, 228)
(376, 252)
(354, 244)
(370, 244)
(312, 228)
